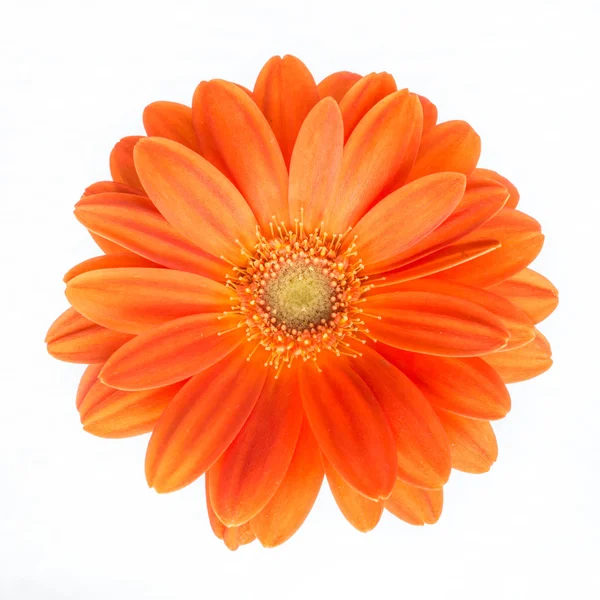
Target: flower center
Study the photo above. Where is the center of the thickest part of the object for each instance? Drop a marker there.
(299, 294)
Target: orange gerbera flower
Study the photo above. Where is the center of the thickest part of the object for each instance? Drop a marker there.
(304, 281)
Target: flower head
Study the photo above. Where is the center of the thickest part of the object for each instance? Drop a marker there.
(299, 282)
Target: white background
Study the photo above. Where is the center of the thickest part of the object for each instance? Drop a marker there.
(76, 518)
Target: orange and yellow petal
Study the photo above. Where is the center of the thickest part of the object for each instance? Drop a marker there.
(337, 84)
(171, 120)
(415, 505)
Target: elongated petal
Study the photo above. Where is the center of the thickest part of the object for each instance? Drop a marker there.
(133, 300)
(337, 84)
(122, 168)
(379, 148)
(362, 513)
(465, 386)
(433, 324)
(200, 202)
(111, 413)
(523, 363)
(362, 97)
(202, 420)
(172, 352)
(430, 113)
(521, 240)
(531, 292)
(234, 135)
(285, 91)
(88, 379)
(171, 120)
(350, 427)
(514, 197)
(102, 187)
(449, 146)
(316, 163)
(144, 231)
(250, 471)
(108, 261)
(73, 338)
(517, 323)
(234, 537)
(406, 216)
(422, 446)
(473, 442)
(217, 527)
(296, 495)
(415, 505)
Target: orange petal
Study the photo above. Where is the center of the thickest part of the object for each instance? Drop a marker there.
(171, 120)
(379, 149)
(144, 231)
(514, 197)
(172, 352)
(415, 505)
(362, 97)
(202, 420)
(523, 363)
(108, 261)
(285, 91)
(110, 413)
(363, 514)
(531, 292)
(88, 379)
(249, 472)
(216, 525)
(234, 537)
(473, 443)
(350, 427)
(450, 146)
(422, 446)
(234, 135)
(133, 300)
(122, 168)
(102, 187)
(316, 163)
(516, 321)
(521, 240)
(73, 338)
(337, 84)
(200, 202)
(433, 324)
(405, 217)
(296, 495)
(465, 386)
(430, 113)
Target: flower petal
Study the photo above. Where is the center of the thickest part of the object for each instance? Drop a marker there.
(430, 113)
(285, 91)
(234, 537)
(88, 379)
(316, 163)
(133, 224)
(362, 97)
(473, 442)
(109, 261)
(531, 292)
(362, 513)
(195, 197)
(350, 427)
(380, 147)
(450, 146)
(415, 505)
(514, 197)
(521, 240)
(433, 324)
(296, 495)
(405, 217)
(465, 386)
(235, 136)
(111, 413)
(172, 352)
(523, 363)
(422, 448)
(122, 168)
(133, 300)
(73, 338)
(171, 120)
(216, 525)
(337, 84)
(202, 420)
(249, 472)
